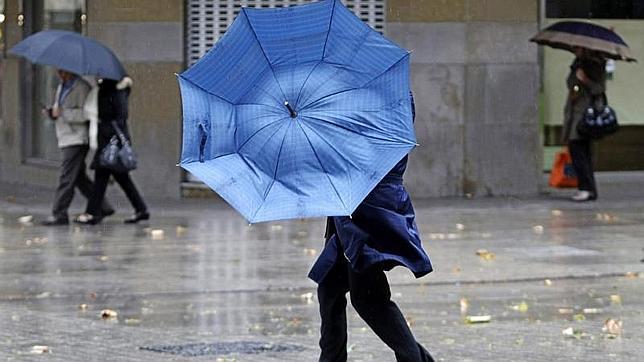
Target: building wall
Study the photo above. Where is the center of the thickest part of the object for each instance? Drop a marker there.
(475, 81)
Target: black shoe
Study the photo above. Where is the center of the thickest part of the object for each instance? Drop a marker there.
(87, 219)
(55, 221)
(108, 212)
(144, 215)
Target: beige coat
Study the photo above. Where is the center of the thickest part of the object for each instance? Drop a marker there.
(581, 95)
(72, 127)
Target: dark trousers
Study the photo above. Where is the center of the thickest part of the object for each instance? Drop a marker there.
(73, 174)
(370, 296)
(101, 178)
(582, 162)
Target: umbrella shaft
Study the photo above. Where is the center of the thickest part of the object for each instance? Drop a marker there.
(290, 109)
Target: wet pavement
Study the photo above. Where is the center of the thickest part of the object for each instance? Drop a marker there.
(198, 283)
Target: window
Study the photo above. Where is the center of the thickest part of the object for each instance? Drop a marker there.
(595, 9)
(39, 82)
(207, 20)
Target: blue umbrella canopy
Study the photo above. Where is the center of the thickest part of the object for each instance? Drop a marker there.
(567, 35)
(72, 52)
(296, 112)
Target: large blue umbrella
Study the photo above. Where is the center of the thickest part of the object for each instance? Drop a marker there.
(72, 52)
(296, 112)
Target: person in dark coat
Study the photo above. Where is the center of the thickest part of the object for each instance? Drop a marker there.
(112, 107)
(379, 235)
(586, 84)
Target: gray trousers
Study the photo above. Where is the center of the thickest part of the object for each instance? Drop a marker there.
(73, 174)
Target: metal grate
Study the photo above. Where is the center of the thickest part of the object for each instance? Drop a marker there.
(223, 348)
(209, 19)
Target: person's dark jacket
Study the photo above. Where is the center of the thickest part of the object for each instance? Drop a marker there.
(112, 106)
(381, 231)
(581, 95)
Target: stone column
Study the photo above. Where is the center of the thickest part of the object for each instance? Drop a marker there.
(475, 80)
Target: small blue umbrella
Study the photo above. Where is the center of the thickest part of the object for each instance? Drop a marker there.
(72, 52)
(296, 112)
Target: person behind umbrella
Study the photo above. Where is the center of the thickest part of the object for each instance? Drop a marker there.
(112, 106)
(72, 129)
(586, 84)
(378, 236)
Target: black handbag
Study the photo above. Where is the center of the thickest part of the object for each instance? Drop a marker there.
(118, 155)
(598, 121)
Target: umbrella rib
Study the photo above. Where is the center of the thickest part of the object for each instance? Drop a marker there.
(205, 90)
(351, 130)
(310, 104)
(261, 128)
(268, 189)
(250, 25)
(329, 30)
(386, 70)
(317, 157)
(299, 94)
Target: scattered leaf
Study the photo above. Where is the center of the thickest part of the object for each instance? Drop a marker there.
(39, 350)
(632, 275)
(310, 251)
(547, 282)
(43, 295)
(103, 258)
(556, 212)
(473, 319)
(485, 254)
(592, 310)
(579, 317)
(538, 229)
(460, 227)
(157, 234)
(181, 230)
(108, 314)
(572, 332)
(276, 227)
(465, 304)
(566, 311)
(132, 321)
(521, 307)
(616, 299)
(612, 327)
(83, 307)
(26, 219)
(307, 297)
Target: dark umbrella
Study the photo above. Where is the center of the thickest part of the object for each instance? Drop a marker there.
(570, 34)
(72, 52)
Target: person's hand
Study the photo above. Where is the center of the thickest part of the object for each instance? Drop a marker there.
(581, 75)
(54, 112)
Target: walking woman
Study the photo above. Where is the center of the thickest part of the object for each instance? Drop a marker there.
(586, 84)
(379, 235)
(112, 107)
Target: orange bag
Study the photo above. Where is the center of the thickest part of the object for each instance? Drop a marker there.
(563, 174)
